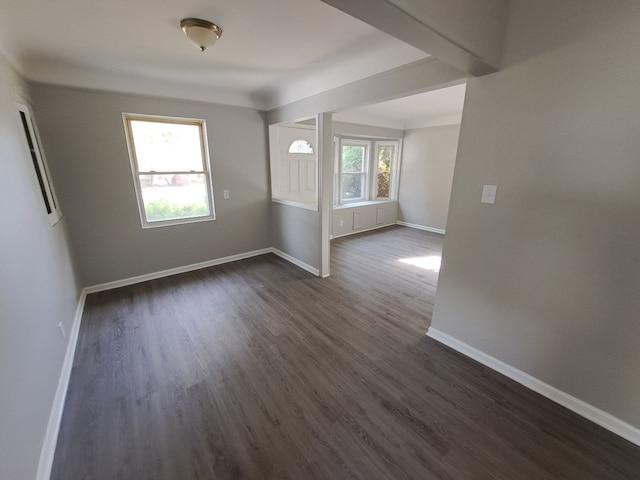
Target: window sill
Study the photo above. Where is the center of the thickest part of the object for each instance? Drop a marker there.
(363, 203)
(177, 221)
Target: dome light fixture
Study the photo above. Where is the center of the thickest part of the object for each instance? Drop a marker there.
(202, 33)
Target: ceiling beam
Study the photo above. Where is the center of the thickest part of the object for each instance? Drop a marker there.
(416, 77)
(467, 34)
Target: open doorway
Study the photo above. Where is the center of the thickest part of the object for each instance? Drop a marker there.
(426, 128)
(421, 134)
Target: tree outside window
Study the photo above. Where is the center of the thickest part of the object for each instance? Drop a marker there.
(353, 170)
(385, 156)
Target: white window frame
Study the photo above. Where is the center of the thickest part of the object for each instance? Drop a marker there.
(393, 184)
(312, 152)
(36, 153)
(127, 118)
(366, 168)
(337, 191)
(370, 188)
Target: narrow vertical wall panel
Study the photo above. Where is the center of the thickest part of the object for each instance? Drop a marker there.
(325, 185)
(356, 220)
(294, 177)
(310, 176)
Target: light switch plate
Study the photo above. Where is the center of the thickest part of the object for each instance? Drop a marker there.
(489, 194)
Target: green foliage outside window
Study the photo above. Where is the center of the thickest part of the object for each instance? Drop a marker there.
(384, 170)
(352, 158)
(360, 170)
(351, 186)
(163, 210)
(352, 168)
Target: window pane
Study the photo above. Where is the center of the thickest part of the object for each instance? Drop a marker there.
(167, 147)
(385, 154)
(170, 197)
(351, 186)
(383, 185)
(353, 158)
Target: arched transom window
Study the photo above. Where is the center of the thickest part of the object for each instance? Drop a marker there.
(300, 146)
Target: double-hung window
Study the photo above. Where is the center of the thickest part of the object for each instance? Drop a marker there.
(170, 166)
(354, 156)
(385, 159)
(365, 170)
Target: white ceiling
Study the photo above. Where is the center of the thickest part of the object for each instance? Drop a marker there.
(271, 52)
(430, 109)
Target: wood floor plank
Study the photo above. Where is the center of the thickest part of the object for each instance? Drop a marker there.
(258, 370)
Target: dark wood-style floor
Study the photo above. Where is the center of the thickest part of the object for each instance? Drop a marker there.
(258, 370)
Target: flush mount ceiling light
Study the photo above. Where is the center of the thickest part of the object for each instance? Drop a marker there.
(201, 33)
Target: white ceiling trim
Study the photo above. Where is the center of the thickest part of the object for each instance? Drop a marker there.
(280, 54)
(270, 53)
(112, 81)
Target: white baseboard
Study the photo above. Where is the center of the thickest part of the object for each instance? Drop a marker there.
(296, 262)
(420, 227)
(600, 417)
(55, 417)
(174, 271)
(362, 230)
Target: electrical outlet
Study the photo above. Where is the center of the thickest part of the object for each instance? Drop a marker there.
(342, 223)
(225, 194)
(489, 194)
(62, 332)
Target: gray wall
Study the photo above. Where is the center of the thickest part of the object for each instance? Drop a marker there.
(428, 160)
(37, 290)
(297, 232)
(85, 141)
(547, 279)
